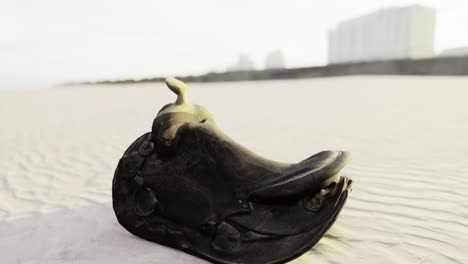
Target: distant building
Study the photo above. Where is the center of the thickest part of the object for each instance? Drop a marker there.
(244, 63)
(274, 60)
(391, 33)
(454, 52)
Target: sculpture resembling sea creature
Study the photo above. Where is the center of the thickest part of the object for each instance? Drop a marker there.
(188, 186)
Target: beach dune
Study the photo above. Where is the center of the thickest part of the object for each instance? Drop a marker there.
(408, 135)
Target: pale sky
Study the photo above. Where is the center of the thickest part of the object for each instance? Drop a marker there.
(52, 41)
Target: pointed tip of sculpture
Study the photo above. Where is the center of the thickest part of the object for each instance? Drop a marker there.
(179, 88)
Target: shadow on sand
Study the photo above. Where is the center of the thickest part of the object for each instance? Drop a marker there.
(83, 235)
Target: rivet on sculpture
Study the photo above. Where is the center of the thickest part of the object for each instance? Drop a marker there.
(188, 186)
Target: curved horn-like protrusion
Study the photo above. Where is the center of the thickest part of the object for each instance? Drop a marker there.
(179, 88)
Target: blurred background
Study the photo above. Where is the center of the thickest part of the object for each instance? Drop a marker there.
(51, 42)
(395, 95)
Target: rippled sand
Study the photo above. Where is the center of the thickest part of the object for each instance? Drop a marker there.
(408, 135)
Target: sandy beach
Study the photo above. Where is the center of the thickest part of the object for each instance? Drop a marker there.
(408, 135)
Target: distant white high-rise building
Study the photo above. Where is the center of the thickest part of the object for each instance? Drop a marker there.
(244, 63)
(390, 33)
(274, 60)
(454, 52)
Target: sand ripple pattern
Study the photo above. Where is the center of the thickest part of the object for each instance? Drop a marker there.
(59, 148)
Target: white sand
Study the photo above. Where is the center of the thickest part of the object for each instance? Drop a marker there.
(408, 135)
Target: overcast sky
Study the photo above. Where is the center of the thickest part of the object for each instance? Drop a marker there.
(51, 41)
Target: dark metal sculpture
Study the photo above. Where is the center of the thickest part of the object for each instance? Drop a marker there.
(188, 186)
